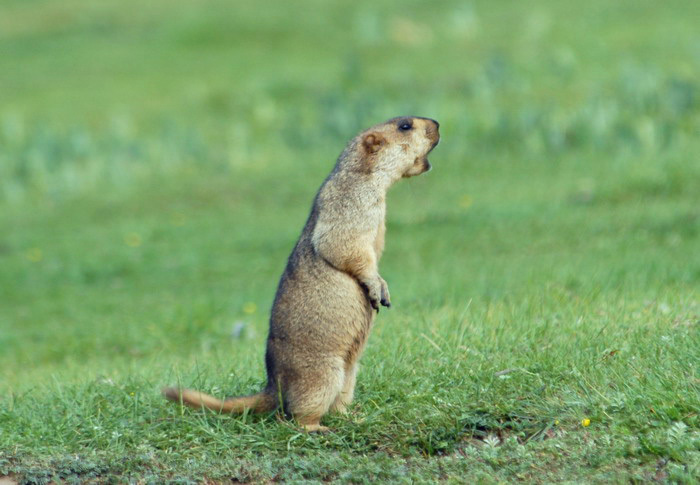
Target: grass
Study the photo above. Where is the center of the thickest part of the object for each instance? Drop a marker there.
(157, 164)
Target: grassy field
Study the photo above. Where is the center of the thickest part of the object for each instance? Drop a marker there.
(157, 163)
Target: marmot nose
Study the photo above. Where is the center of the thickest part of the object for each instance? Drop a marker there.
(437, 125)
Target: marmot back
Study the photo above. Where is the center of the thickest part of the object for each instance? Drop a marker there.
(331, 290)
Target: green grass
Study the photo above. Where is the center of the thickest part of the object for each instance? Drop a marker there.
(157, 163)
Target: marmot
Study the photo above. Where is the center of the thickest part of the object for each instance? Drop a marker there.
(331, 289)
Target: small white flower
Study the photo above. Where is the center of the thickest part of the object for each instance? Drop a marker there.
(492, 441)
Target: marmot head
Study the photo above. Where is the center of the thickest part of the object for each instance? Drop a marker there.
(397, 148)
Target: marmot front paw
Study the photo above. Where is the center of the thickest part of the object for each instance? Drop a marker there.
(378, 293)
(385, 299)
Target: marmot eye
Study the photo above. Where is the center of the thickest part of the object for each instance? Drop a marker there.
(405, 126)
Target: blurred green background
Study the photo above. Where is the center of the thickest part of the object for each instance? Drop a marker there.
(158, 160)
(252, 86)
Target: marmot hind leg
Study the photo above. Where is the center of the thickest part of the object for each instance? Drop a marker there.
(310, 396)
(344, 397)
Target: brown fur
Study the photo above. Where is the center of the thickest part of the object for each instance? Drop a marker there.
(331, 289)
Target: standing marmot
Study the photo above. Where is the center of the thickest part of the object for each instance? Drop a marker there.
(331, 290)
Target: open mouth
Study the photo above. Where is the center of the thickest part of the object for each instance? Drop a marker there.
(425, 163)
(425, 157)
(435, 143)
(422, 164)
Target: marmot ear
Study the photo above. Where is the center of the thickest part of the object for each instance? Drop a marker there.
(373, 142)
